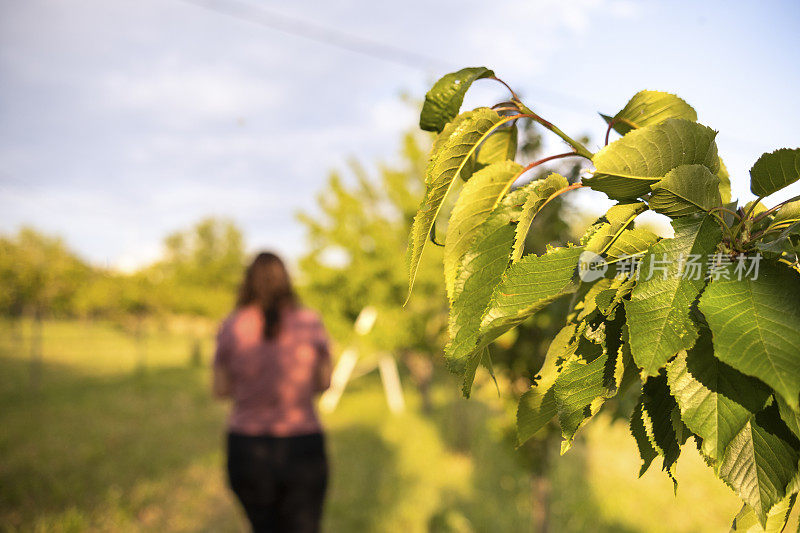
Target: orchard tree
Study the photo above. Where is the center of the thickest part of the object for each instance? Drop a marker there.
(210, 254)
(517, 356)
(356, 240)
(39, 276)
(706, 324)
(202, 266)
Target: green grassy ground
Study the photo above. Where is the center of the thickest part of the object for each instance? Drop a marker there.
(100, 445)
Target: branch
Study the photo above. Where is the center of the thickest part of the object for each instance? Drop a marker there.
(580, 149)
(774, 208)
(610, 125)
(545, 160)
(514, 95)
(722, 223)
(560, 192)
(725, 209)
(619, 120)
(736, 230)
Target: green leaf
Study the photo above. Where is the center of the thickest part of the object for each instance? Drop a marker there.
(755, 325)
(444, 99)
(724, 183)
(575, 390)
(653, 426)
(759, 464)
(754, 207)
(527, 286)
(658, 311)
(715, 400)
(480, 271)
(646, 450)
(785, 242)
(540, 191)
(657, 416)
(583, 367)
(607, 300)
(538, 405)
(791, 417)
(486, 361)
(606, 230)
(787, 215)
(449, 154)
(478, 274)
(626, 372)
(631, 242)
(774, 171)
(650, 107)
(626, 168)
(746, 520)
(477, 200)
(686, 189)
(585, 300)
(499, 146)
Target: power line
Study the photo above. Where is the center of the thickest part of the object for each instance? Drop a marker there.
(427, 64)
(328, 36)
(322, 34)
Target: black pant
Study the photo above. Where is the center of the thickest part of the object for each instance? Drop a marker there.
(280, 481)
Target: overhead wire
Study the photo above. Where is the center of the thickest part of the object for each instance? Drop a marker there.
(336, 38)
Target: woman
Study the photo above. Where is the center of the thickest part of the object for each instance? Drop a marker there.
(272, 358)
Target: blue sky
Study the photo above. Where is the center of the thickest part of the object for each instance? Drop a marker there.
(123, 120)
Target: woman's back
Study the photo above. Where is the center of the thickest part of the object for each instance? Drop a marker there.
(272, 357)
(273, 381)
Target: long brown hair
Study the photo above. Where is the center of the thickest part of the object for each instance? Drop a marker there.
(267, 284)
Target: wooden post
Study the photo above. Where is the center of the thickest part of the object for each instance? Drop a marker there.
(391, 383)
(387, 366)
(366, 320)
(339, 378)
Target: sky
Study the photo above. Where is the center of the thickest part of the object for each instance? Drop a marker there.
(124, 120)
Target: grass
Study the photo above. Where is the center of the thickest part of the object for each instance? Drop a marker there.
(102, 445)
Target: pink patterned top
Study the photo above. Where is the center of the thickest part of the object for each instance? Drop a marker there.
(273, 382)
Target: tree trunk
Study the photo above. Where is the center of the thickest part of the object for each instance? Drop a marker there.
(16, 334)
(540, 503)
(541, 486)
(196, 353)
(141, 349)
(421, 369)
(36, 348)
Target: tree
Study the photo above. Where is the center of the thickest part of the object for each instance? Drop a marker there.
(201, 269)
(39, 276)
(210, 254)
(706, 324)
(356, 240)
(518, 355)
(344, 271)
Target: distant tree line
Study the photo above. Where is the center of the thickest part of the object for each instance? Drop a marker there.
(41, 277)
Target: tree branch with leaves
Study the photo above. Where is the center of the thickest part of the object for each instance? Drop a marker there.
(716, 354)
